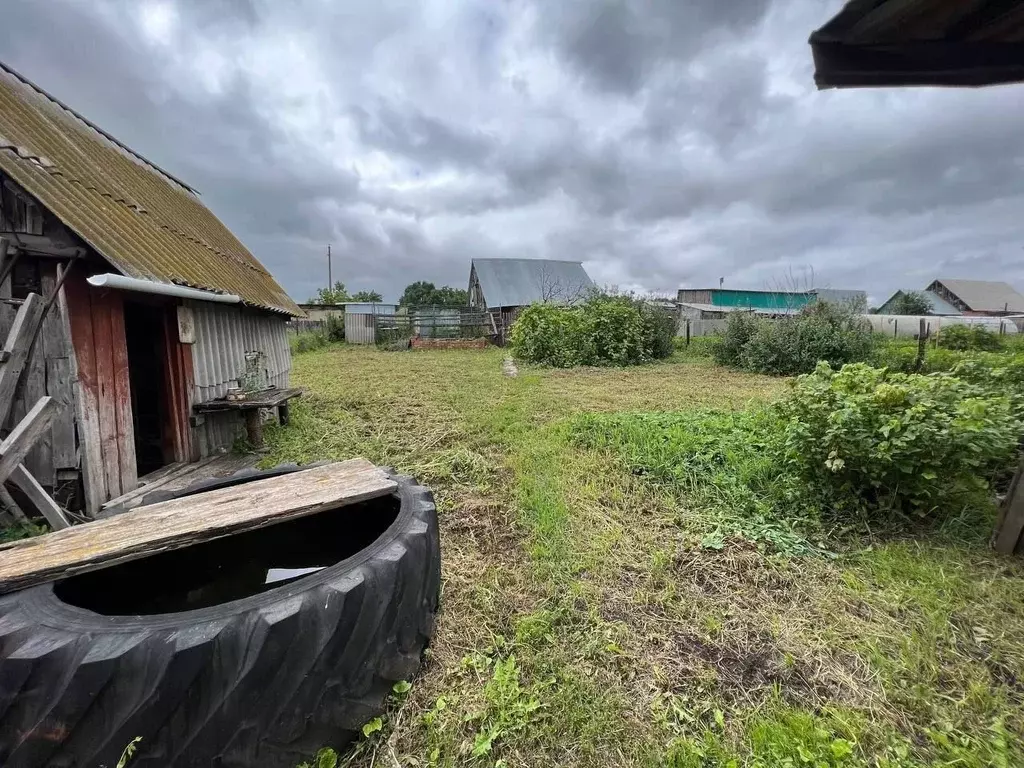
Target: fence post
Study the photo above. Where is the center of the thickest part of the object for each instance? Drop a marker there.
(687, 331)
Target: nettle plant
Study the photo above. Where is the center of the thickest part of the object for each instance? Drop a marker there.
(874, 440)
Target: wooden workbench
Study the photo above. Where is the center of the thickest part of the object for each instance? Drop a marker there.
(250, 408)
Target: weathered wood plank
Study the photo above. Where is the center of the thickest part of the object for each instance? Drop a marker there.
(39, 498)
(106, 389)
(127, 469)
(1010, 526)
(18, 341)
(178, 523)
(62, 431)
(157, 479)
(16, 445)
(76, 306)
(39, 460)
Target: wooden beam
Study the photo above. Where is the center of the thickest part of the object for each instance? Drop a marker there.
(39, 498)
(190, 520)
(16, 445)
(1010, 525)
(18, 346)
(42, 245)
(11, 506)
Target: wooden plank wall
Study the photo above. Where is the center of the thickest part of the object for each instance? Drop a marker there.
(103, 402)
(47, 372)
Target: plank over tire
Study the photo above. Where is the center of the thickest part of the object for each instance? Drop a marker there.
(180, 522)
(261, 682)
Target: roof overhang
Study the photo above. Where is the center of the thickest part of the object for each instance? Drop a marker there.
(961, 43)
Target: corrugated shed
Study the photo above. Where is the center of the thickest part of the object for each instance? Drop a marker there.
(521, 282)
(224, 334)
(983, 295)
(143, 221)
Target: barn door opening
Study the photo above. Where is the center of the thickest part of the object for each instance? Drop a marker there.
(144, 333)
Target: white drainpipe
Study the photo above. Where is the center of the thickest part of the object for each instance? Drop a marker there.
(163, 289)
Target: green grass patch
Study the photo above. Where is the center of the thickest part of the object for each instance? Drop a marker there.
(584, 624)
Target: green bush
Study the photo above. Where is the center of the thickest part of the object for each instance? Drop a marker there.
(866, 439)
(739, 329)
(824, 331)
(334, 327)
(969, 337)
(307, 341)
(603, 330)
(549, 334)
(699, 348)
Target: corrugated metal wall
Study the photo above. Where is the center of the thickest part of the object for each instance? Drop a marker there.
(224, 333)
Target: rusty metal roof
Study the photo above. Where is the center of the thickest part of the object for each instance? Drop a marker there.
(873, 43)
(141, 219)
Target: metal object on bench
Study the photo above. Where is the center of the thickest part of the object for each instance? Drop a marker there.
(250, 408)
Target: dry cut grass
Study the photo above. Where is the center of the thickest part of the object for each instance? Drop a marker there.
(583, 624)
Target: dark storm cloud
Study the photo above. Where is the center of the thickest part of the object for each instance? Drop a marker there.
(661, 142)
(618, 43)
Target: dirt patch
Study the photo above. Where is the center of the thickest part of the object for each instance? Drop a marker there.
(743, 670)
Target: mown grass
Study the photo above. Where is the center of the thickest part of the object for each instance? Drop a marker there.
(584, 624)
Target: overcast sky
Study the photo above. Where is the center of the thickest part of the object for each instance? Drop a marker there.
(663, 143)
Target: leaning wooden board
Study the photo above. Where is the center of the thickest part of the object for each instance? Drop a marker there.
(190, 520)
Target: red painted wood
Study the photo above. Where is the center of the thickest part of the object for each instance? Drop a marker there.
(106, 386)
(125, 428)
(76, 292)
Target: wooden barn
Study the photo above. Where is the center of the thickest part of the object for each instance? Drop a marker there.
(154, 306)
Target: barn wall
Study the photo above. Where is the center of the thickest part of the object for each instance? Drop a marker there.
(103, 402)
(224, 333)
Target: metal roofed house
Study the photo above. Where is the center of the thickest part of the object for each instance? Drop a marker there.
(920, 42)
(511, 283)
(939, 306)
(979, 297)
(161, 307)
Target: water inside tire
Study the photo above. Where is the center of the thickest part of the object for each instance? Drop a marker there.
(233, 567)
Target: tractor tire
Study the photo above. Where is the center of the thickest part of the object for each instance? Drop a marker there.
(261, 682)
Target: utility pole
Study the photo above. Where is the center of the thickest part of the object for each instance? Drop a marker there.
(330, 277)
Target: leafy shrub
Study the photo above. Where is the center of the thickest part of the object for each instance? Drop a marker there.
(549, 334)
(822, 331)
(334, 327)
(307, 341)
(739, 329)
(603, 330)
(866, 439)
(969, 337)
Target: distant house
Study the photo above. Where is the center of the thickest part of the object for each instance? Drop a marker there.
(161, 307)
(508, 284)
(320, 312)
(979, 297)
(717, 303)
(939, 306)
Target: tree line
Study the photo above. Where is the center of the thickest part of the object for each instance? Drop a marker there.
(418, 294)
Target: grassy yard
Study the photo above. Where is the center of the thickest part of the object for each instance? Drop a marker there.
(584, 624)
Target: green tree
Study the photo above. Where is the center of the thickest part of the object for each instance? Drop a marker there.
(372, 296)
(336, 295)
(911, 303)
(422, 293)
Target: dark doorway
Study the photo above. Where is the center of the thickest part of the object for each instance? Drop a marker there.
(144, 334)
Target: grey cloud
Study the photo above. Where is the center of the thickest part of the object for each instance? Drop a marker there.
(661, 142)
(618, 43)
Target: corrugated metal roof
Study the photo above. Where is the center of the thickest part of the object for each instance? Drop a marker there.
(985, 295)
(139, 218)
(521, 282)
(939, 305)
(727, 308)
